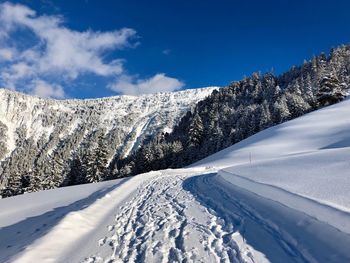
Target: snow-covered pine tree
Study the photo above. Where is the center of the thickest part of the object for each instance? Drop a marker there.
(34, 181)
(95, 161)
(195, 132)
(101, 157)
(89, 166)
(330, 91)
(126, 170)
(296, 104)
(265, 116)
(280, 110)
(145, 159)
(13, 186)
(76, 174)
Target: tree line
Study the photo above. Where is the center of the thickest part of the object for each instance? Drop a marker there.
(242, 109)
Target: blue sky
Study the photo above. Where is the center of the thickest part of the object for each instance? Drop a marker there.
(87, 48)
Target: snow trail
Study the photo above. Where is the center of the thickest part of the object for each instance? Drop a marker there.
(281, 233)
(186, 215)
(163, 222)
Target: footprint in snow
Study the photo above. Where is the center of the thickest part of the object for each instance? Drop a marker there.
(102, 241)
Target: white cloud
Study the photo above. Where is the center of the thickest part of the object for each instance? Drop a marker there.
(57, 49)
(45, 90)
(58, 55)
(158, 83)
(6, 54)
(15, 72)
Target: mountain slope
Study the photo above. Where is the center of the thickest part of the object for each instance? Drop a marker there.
(246, 107)
(270, 210)
(303, 163)
(39, 137)
(326, 128)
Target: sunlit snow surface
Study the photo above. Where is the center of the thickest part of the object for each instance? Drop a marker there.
(282, 195)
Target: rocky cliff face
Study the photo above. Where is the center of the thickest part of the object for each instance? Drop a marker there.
(40, 136)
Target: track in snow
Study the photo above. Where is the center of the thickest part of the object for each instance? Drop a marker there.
(163, 222)
(184, 215)
(281, 233)
(179, 217)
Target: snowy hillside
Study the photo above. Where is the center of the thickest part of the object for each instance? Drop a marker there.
(303, 164)
(327, 128)
(315, 183)
(282, 196)
(44, 134)
(41, 117)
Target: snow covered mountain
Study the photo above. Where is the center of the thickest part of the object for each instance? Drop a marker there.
(246, 107)
(281, 195)
(39, 136)
(48, 143)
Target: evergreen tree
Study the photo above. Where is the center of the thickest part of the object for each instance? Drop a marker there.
(101, 158)
(89, 167)
(95, 162)
(280, 110)
(76, 174)
(14, 186)
(34, 181)
(195, 132)
(331, 91)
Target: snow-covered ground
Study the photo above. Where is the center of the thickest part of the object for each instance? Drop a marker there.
(282, 195)
(303, 164)
(316, 183)
(327, 128)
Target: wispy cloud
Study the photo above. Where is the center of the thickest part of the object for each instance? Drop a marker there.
(158, 83)
(57, 50)
(7, 54)
(45, 90)
(57, 55)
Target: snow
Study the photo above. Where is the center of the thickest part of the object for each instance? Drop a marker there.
(135, 133)
(41, 202)
(323, 129)
(149, 218)
(72, 229)
(323, 176)
(303, 164)
(118, 112)
(289, 202)
(190, 214)
(11, 140)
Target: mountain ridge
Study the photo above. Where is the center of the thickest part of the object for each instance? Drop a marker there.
(41, 136)
(20, 93)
